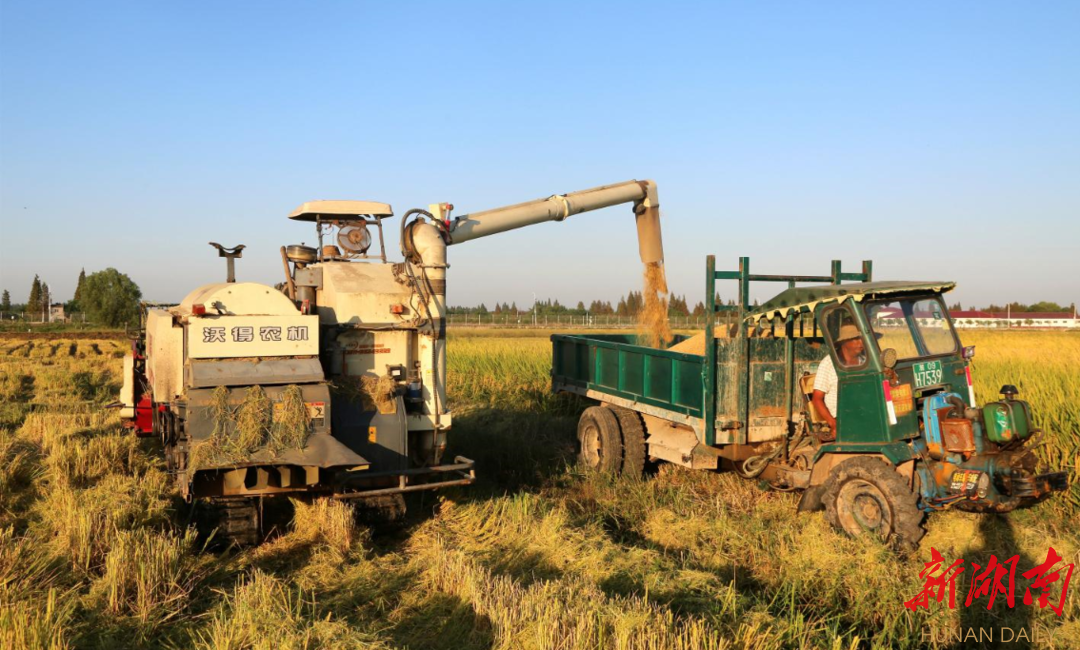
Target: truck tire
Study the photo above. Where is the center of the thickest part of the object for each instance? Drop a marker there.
(633, 440)
(865, 494)
(599, 440)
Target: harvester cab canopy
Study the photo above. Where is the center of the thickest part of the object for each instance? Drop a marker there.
(341, 211)
(805, 299)
(351, 220)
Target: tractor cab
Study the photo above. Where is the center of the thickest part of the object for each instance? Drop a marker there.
(892, 346)
(904, 395)
(892, 350)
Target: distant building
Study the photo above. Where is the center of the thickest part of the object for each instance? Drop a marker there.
(1033, 319)
(56, 312)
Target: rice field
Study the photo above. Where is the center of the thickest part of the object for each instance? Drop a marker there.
(95, 551)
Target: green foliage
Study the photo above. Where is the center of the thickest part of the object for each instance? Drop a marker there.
(110, 298)
(5, 301)
(33, 305)
(73, 305)
(630, 305)
(677, 305)
(601, 308)
(81, 284)
(1019, 307)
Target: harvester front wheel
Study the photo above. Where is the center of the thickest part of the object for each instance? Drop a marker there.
(600, 440)
(633, 440)
(866, 495)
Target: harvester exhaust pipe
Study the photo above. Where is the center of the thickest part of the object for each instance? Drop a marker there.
(556, 208)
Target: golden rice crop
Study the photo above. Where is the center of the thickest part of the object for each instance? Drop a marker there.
(94, 548)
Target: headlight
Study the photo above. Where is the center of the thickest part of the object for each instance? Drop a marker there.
(983, 486)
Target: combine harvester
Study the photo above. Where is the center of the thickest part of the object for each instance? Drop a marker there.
(333, 382)
(910, 436)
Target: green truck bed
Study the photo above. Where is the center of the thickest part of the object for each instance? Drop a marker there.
(674, 385)
(614, 365)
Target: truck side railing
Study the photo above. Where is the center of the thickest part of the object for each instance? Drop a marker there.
(712, 308)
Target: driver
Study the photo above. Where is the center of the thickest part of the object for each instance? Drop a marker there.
(852, 352)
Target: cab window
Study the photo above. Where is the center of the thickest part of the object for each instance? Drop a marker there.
(913, 327)
(848, 342)
(934, 326)
(891, 328)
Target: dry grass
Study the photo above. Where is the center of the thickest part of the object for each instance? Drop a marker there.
(37, 624)
(372, 393)
(252, 422)
(291, 421)
(255, 423)
(94, 553)
(266, 613)
(148, 575)
(328, 521)
(81, 525)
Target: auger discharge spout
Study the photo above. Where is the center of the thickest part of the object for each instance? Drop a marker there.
(642, 194)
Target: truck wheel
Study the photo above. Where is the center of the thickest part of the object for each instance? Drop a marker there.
(600, 440)
(633, 440)
(867, 495)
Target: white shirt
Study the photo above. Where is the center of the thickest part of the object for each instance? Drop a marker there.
(825, 381)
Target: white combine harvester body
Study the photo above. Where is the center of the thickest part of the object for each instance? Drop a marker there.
(358, 340)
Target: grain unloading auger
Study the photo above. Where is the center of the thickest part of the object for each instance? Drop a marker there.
(333, 382)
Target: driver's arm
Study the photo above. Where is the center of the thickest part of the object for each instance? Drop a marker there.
(818, 399)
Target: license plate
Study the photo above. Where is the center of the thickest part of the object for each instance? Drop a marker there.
(927, 373)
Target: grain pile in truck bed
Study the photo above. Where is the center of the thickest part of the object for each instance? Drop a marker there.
(696, 344)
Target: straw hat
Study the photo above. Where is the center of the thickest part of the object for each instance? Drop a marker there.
(847, 332)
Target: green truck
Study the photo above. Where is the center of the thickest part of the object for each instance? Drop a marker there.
(909, 436)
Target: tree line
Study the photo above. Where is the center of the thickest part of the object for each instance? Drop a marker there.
(632, 303)
(1043, 306)
(629, 305)
(107, 297)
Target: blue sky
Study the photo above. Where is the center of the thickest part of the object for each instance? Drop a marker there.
(941, 140)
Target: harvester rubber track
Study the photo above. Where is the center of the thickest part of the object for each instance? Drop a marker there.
(232, 522)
